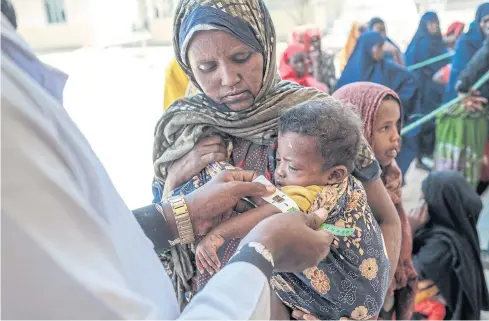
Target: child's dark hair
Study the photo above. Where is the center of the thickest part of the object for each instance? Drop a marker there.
(336, 125)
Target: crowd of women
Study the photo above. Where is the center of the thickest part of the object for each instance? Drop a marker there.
(224, 95)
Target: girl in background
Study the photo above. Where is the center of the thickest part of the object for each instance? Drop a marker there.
(380, 109)
(294, 67)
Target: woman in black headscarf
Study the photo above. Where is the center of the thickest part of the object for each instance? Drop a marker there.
(446, 247)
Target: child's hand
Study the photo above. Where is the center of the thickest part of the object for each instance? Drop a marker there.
(206, 253)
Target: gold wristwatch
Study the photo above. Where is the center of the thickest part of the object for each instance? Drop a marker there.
(182, 219)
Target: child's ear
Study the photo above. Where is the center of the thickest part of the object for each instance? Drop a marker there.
(337, 174)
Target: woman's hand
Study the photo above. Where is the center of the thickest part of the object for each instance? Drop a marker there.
(474, 102)
(293, 239)
(207, 150)
(418, 217)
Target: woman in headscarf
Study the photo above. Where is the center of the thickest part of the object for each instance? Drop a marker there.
(294, 67)
(367, 63)
(322, 63)
(461, 134)
(227, 49)
(391, 50)
(446, 250)
(176, 83)
(427, 43)
(380, 109)
(355, 32)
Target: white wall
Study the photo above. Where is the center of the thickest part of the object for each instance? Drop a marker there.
(88, 23)
(34, 27)
(401, 17)
(111, 20)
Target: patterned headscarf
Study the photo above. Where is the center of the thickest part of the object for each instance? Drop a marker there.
(368, 97)
(190, 118)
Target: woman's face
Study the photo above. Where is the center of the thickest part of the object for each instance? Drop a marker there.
(380, 28)
(433, 27)
(228, 71)
(378, 52)
(485, 25)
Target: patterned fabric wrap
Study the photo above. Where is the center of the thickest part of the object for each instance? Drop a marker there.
(460, 142)
(353, 279)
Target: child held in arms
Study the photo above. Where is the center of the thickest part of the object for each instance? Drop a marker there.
(317, 146)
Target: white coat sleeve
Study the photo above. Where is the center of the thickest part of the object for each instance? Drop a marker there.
(240, 291)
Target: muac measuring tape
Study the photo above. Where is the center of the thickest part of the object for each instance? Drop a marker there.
(336, 230)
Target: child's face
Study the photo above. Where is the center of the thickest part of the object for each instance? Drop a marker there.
(300, 163)
(386, 140)
(299, 63)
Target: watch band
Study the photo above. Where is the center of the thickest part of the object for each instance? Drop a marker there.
(182, 219)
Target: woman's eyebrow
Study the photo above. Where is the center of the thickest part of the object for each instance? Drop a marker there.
(204, 61)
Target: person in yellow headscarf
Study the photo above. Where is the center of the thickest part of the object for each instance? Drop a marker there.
(176, 83)
(353, 36)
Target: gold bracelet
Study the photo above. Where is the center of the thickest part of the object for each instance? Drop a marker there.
(182, 219)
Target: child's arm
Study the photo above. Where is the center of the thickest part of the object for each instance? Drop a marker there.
(236, 227)
(240, 225)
